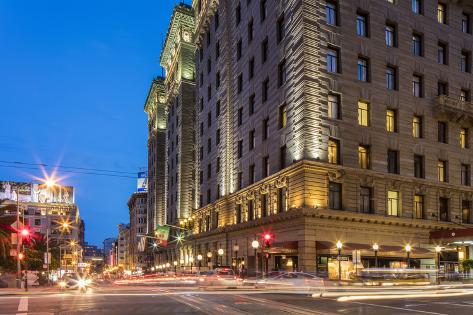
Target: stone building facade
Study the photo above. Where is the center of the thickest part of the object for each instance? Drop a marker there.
(326, 121)
(137, 206)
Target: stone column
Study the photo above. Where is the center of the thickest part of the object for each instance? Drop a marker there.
(306, 249)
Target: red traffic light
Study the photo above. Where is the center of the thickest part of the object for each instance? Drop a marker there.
(25, 232)
(267, 237)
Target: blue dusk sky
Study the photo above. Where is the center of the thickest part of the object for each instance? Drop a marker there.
(74, 78)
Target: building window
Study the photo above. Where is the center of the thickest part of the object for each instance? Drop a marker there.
(443, 209)
(335, 196)
(391, 78)
(418, 207)
(391, 120)
(334, 106)
(465, 61)
(282, 120)
(239, 49)
(250, 31)
(332, 60)
(209, 119)
(331, 13)
(217, 79)
(240, 116)
(364, 156)
(264, 50)
(251, 173)
(251, 105)
(442, 171)
(218, 166)
(362, 24)
(282, 157)
(265, 128)
(333, 151)
(240, 148)
(263, 10)
(442, 13)
(465, 23)
(251, 68)
(240, 180)
(416, 6)
(238, 215)
(442, 132)
(393, 161)
(363, 113)
(252, 139)
(419, 166)
(417, 48)
(209, 171)
(390, 35)
(209, 145)
(442, 53)
(251, 210)
(264, 205)
(465, 176)
(282, 74)
(209, 65)
(238, 14)
(366, 200)
(280, 28)
(464, 138)
(264, 90)
(217, 108)
(265, 166)
(466, 212)
(393, 203)
(217, 50)
(465, 95)
(417, 85)
(363, 70)
(417, 126)
(240, 83)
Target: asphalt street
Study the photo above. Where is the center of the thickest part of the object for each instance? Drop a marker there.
(145, 300)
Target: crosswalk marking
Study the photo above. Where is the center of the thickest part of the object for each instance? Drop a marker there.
(23, 306)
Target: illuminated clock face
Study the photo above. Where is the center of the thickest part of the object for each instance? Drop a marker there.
(186, 36)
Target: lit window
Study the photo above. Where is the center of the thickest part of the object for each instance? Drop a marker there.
(364, 156)
(442, 13)
(417, 127)
(418, 207)
(333, 106)
(464, 138)
(282, 116)
(465, 95)
(393, 203)
(442, 170)
(391, 120)
(333, 151)
(363, 113)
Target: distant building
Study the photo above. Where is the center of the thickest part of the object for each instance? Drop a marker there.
(107, 250)
(123, 241)
(137, 205)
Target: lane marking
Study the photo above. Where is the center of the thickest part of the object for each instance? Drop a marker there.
(23, 305)
(290, 308)
(207, 306)
(398, 308)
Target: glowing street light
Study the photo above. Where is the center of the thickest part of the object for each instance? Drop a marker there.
(199, 258)
(339, 248)
(191, 260)
(408, 249)
(438, 249)
(376, 248)
(220, 254)
(255, 245)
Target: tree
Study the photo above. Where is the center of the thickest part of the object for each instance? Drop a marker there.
(467, 264)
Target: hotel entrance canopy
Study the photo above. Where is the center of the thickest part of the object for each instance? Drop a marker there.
(453, 237)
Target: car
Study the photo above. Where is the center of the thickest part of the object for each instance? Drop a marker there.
(219, 277)
(292, 281)
(75, 281)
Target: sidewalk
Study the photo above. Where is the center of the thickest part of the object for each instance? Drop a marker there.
(31, 291)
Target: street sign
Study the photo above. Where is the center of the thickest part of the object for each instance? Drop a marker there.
(47, 258)
(82, 265)
(14, 238)
(343, 258)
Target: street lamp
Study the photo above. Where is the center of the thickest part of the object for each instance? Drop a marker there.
(191, 260)
(408, 249)
(339, 248)
(438, 249)
(199, 258)
(220, 254)
(236, 248)
(255, 245)
(376, 248)
(209, 259)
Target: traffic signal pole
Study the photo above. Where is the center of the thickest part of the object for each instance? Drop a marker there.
(18, 238)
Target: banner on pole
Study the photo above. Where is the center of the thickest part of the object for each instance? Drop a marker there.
(162, 235)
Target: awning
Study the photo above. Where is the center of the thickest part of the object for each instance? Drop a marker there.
(457, 236)
(382, 248)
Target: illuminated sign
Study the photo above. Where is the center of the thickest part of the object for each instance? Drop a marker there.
(142, 184)
(40, 193)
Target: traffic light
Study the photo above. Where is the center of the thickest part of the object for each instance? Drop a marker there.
(267, 238)
(21, 256)
(25, 232)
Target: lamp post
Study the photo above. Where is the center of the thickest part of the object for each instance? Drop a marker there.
(50, 183)
(181, 262)
(220, 254)
(408, 249)
(18, 245)
(199, 259)
(175, 266)
(339, 248)
(438, 249)
(375, 248)
(209, 260)
(255, 245)
(236, 248)
(191, 260)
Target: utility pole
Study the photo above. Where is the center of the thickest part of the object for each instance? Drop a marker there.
(18, 238)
